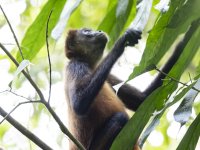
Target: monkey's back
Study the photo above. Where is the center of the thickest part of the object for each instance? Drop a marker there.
(104, 106)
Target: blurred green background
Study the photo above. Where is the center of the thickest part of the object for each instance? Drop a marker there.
(21, 14)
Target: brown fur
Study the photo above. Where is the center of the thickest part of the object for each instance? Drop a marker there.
(105, 105)
(69, 44)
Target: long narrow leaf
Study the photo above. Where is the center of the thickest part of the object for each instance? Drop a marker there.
(20, 68)
(191, 137)
(164, 33)
(120, 14)
(35, 36)
(184, 111)
(67, 11)
(144, 9)
(131, 132)
(157, 117)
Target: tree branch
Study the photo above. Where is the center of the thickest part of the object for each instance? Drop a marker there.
(173, 79)
(42, 99)
(24, 131)
(14, 35)
(26, 102)
(24, 73)
(63, 128)
(10, 91)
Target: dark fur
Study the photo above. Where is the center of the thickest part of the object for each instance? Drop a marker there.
(96, 115)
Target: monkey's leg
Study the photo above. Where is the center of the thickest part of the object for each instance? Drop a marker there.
(130, 96)
(104, 138)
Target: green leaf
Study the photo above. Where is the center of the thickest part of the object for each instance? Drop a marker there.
(165, 32)
(70, 7)
(181, 94)
(21, 67)
(142, 16)
(155, 122)
(157, 117)
(191, 137)
(35, 35)
(119, 16)
(184, 111)
(130, 133)
(4, 129)
(156, 101)
(198, 70)
(185, 14)
(191, 46)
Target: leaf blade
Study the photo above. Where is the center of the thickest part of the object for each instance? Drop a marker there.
(191, 137)
(119, 16)
(163, 35)
(34, 37)
(184, 111)
(132, 130)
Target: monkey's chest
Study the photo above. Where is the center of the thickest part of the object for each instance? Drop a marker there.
(104, 106)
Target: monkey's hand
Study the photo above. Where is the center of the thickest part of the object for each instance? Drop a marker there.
(132, 37)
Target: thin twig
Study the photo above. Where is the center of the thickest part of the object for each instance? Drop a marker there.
(175, 79)
(190, 77)
(57, 119)
(24, 130)
(14, 35)
(63, 128)
(16, 94)
(49, 59)
(14, 45)
(24, 73)
(20, 96)
(26, 102)
(8, 44)
(4, 91)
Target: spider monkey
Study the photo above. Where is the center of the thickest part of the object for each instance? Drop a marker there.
(96, 113)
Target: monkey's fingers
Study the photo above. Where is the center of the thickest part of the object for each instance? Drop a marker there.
(132, 37)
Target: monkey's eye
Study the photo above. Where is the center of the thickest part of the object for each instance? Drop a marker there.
(87, 33)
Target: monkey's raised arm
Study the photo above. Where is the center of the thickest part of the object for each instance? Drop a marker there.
(131, 96)
(88, 86)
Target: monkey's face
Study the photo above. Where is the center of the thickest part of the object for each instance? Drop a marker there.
(85, 43)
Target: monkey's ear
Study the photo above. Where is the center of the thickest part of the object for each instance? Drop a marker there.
(70, 44)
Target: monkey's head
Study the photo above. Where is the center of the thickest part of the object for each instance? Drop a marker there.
(85, 44)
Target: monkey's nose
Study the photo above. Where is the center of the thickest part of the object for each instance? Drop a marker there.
(100, 31)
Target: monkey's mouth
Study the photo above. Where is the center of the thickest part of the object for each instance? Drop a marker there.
(103, 38)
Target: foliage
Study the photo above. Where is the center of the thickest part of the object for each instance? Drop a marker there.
(121, 13)
(180, 21)
(165, 32)
(34, 38)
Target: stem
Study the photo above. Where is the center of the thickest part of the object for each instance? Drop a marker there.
(14, 35)
(57, 119)
(9, 91)
(173, 79)
(27, 102)
(25, 74)
(49, 59)
(62, 127)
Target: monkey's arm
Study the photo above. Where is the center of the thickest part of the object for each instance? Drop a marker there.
(131, 96)
(89, 85)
